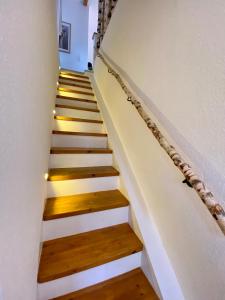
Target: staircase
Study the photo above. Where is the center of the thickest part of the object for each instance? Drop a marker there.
(89, 249)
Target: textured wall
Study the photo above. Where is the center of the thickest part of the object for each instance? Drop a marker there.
(75, 13)
(29, 65)
(172, 54)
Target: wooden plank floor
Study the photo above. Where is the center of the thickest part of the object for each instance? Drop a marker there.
(129, 286)
(79, 173)
(67, 206)
(66, 256)
(77, 150)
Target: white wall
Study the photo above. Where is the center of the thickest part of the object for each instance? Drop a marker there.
(92, 27)
(28, 74)
(75, 13)
(172, 54)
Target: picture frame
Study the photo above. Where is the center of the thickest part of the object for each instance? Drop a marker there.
(65, 38)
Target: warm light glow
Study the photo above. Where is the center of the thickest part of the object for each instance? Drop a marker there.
(54, 112)
(62, 93)
(46, 176)
(59, 68)
(65, 76)
(57, 83)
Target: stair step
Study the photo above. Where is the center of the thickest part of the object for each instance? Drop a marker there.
(64, 86)
(76, 150)
(67, 206)
(64, 118)
(75, 99)
(129, 286)
(68, 77)
(76, 85)
(59, 174)
(76, 103)
(68, 90)
(74, 74)
(79, 133)
(66, 256)
(76, 107)
(81, 141)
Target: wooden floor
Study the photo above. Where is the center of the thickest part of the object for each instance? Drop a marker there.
(68, 255)
(68, 206)
(130, 286)
(79, 173)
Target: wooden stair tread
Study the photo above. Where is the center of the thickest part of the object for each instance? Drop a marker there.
(68, 90)
(67, 206)
(74, 74)
(96, 134)
(57, 174)
(77, 107)
(66, 77)
(77, 150)
(62, 70)
(64, 118)
(75, 99)
(129, 286)
(75, 84)
(68, 255)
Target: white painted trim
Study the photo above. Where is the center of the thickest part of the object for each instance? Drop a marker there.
(76, 103)
(76, 113)
(60, 140)
(76, 126)
(79, 186)
(80, 160)
(82, 223)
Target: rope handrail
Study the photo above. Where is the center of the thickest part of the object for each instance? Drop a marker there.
(191, 177)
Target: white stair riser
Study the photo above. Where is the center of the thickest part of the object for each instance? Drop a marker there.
(76, 103)
(89, 277)
(84, 223)
(76, 113)
(83, 89)
(77, 82)
(79, 186)
(60, 140)
(78, 126)
(77, 95)
(80, 160)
